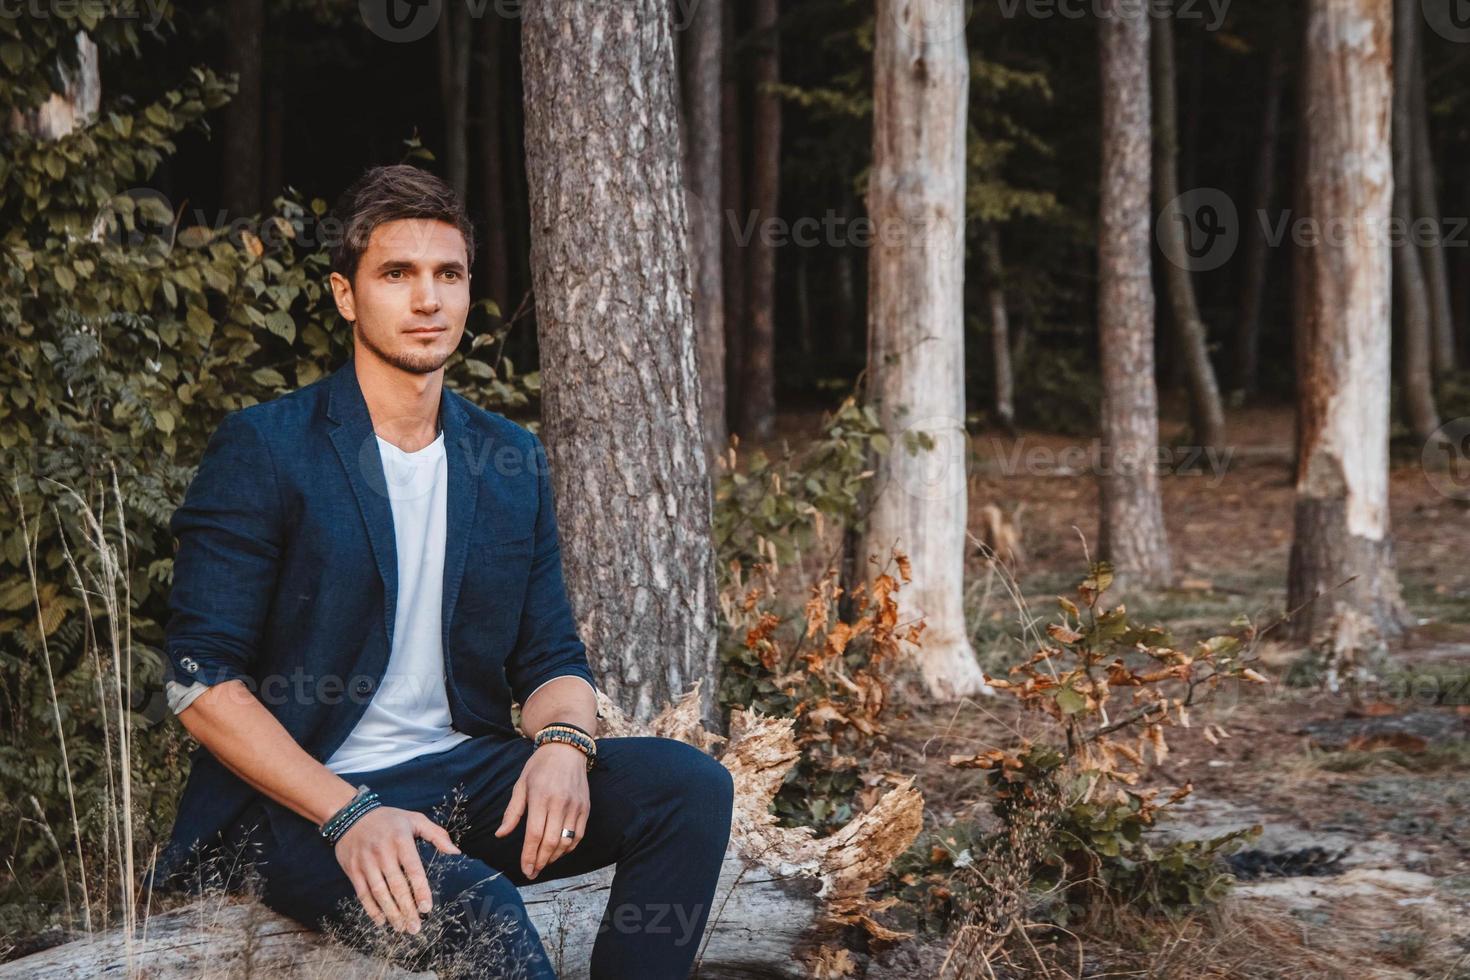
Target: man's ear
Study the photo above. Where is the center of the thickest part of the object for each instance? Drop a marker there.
(342, 295)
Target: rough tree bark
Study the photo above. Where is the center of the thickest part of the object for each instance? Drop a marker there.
(785, 906)
(1207, 412)
(703, 48)
(1343, 318)
(241, 145)
(758, 351)
(916, 336)
(1415, 323)
(1257, 247)
(620, 389)
(1132, 520)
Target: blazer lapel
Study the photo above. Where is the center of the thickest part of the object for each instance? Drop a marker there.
(357, 448)
(465, 450)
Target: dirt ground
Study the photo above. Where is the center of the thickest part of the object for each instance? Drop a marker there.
(1366, 836)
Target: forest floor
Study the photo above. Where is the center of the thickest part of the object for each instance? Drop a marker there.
(1364, 801)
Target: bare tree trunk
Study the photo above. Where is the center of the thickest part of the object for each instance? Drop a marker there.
(1415, 376)
(1132, 536)
(71, 108)
(1000, 328)
(492, 163)
(1207, 414)
(847, 324)
(619, 356)
(1343, 313)
(1258, 250)
(735, 255)
(758, 356)
(454, 36)
(273, 146)
(1426, 205)
(703, 46)
(916, 327)
(241, 144)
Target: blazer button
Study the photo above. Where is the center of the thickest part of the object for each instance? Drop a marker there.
(363, 685)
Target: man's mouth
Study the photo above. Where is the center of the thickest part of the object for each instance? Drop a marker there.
(428, 330)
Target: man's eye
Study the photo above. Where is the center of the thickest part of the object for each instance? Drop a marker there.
(452, 275)
(394, 272)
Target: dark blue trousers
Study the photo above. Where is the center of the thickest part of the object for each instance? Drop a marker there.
(660, 811)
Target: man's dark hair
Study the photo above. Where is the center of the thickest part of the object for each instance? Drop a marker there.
(390, 194)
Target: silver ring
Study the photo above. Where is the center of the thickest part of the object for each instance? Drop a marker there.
(569, 833)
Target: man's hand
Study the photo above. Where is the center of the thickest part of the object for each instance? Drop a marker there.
(379, 855)
(552, 792)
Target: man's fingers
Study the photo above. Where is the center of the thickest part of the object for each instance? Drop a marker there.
(413, 868)
(384, 896)
(551, 838)
(365, 896)
(535, 829)
(435, 834)
(513, 811)
(402, 894)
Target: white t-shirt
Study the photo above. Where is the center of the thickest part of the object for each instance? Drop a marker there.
(409, 713)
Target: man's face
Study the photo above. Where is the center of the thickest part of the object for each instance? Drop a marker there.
(411, 295)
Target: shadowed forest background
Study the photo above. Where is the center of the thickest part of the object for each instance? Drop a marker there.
(1206, 717)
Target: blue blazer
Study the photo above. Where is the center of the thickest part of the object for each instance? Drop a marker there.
(286, 575)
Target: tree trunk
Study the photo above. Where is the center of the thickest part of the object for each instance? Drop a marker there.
(847, 324)
(1415, 323)
(758, 354)
(273, 147)
(454, 36)
(1132, 520)
(241, 145)
(1343, 314)
(1000, 329)
(1207, 414)
(916, 326)
(619, 356)
(735, 256)
(786, 902)
(74, 106)
(1257, 247)
(492, 165)
(1431, 254)
(703, 45)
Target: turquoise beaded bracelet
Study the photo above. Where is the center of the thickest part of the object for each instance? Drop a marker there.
(355, 808)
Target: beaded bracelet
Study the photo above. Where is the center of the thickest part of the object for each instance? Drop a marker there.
(351, 812)
(576, 739)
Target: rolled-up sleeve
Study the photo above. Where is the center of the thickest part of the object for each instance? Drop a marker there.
(547, 645)
(229, 531)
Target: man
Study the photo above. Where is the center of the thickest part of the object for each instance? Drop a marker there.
(368, 573)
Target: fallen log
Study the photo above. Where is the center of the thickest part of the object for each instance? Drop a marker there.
(784, 900)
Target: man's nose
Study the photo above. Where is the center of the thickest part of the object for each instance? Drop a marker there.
(426, 297)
